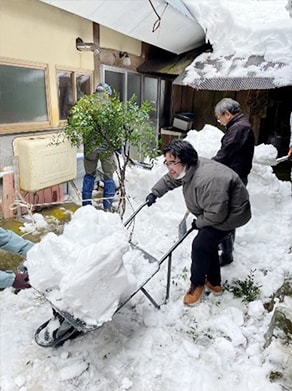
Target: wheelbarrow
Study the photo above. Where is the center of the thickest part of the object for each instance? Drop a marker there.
(64, 326)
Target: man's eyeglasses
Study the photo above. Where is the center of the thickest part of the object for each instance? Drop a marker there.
(171, 163)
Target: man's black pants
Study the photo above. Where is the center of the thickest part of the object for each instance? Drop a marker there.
(205, 258)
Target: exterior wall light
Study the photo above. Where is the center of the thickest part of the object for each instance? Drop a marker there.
(125, 58)
(87, 46)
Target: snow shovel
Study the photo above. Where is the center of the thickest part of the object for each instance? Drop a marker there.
(182, 227)
(280, 160)
(127, 222)
(273, 162)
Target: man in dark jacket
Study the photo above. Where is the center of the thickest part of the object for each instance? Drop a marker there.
(236, 152)
(217, 197)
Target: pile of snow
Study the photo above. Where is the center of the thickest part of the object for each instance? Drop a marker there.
(265, 154)
(83, 271)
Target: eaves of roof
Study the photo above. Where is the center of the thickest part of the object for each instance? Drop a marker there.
(166, 24)
(172, 66)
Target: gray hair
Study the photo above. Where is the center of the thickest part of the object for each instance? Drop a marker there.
(227, 104)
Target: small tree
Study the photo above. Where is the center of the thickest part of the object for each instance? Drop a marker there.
(97, 120)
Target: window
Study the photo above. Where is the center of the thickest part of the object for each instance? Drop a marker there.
(151, 93)
(117, 81)
(156, 90)
(135, 86)
(127, 83)
(23, 96)
(71, 87)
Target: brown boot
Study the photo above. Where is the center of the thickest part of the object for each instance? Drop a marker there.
(193, 295)
(217, 290)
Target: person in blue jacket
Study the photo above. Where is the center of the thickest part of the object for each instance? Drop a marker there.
(11, 242)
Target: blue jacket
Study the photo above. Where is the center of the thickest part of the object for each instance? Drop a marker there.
(10, 241)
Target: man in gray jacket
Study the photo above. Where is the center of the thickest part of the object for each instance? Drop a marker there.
(217, 197)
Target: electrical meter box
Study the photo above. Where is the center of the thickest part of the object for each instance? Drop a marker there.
(42, 163)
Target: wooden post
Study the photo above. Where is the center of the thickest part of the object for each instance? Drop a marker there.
(8, 195)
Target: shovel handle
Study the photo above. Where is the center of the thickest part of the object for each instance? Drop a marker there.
(282, 159)
(127, 222)
(274, 162)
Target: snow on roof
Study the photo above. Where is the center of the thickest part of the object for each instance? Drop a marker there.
(252, 45)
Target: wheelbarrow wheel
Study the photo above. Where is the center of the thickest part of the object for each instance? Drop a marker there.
(55, 331)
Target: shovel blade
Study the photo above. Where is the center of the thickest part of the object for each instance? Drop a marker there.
(182, 227)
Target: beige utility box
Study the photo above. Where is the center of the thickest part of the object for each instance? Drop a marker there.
(41, 164)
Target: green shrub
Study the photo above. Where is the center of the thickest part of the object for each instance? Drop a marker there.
(97, 120)
(246, 289)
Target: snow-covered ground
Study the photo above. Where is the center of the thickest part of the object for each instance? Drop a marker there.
(218, 344)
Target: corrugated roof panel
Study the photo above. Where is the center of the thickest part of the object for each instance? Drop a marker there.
(234, 74)
(233, 84)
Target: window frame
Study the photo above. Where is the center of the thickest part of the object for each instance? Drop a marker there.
(75, 72)
(126, 72)
(21, 127)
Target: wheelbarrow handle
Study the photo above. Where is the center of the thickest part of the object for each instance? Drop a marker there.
(127, 222)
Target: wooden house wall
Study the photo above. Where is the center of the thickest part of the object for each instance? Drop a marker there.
(202, 102)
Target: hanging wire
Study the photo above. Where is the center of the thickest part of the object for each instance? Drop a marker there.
(156, 24)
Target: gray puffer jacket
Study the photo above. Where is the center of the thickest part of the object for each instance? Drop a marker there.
(213, 193)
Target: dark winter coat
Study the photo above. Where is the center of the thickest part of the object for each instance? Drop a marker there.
(237, 146)
(213, 193)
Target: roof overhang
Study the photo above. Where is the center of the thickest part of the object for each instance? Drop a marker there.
(167, 24)
(173, 65)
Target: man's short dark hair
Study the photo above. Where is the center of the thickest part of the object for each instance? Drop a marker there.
(183, 150)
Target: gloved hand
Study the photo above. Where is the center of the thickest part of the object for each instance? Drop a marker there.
(21, 281)
(194, 224)
(151, 198)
